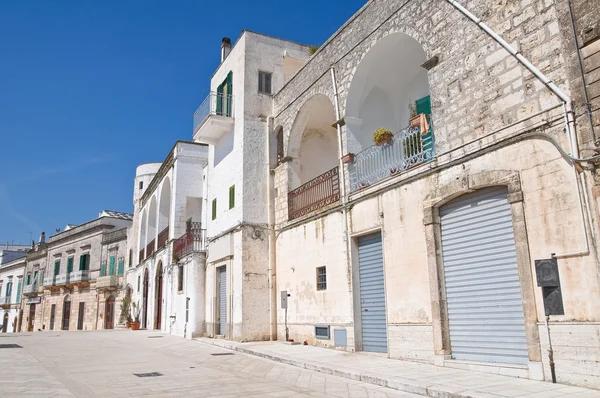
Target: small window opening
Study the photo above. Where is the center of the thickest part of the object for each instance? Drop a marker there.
(264, 82)
(321, 278)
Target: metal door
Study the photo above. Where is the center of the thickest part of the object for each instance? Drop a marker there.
(222, 300)
(485, 307)
(52, 316)
(80, 315)
(66, 315)
(372, 294)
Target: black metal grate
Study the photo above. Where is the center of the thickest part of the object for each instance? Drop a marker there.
(155, 337)
(151, 374)
(222, 353)
(10, 346)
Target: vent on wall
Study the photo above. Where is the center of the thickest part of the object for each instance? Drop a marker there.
(322, 332)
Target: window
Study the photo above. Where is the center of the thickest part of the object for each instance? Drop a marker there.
(138, 287)
(111, 266)
(180, 279)
(103, 269)
(120, 268)
(279, 139)
(214, 209)
(19, 283)
(28, 278)
(9, 288)
(56, 267)
(321, 278)
(231, 197)
(264, 82)
(35, 279)
(41, 278)
(130, 258)
(84, 262)
(224, 92)
(141, 185)
(322, 332)
(69, 265)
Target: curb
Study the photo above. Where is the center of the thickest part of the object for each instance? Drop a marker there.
(399, 383)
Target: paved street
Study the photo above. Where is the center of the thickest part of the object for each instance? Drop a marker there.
(103, 363)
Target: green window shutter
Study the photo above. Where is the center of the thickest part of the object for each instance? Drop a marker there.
(424, 105)
(120, 271)
(232, 197)
(70, 265)
(82, 262)
(19, 291)
(86, 263)
(103, 269)
(219, 108)
(229, 85)
(214, 209)
(28, 279)
(111, 269)
(56, 267)
(41, 277)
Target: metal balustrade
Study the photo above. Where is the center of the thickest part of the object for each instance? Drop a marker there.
(218, 104)
(408, 148)
(315, 194)
(163, 236)
(150, 248)
(194, 240)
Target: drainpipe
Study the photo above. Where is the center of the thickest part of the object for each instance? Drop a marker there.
(580, 182)
(271, 221)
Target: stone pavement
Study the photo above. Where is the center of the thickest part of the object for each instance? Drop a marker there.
(103, 363)
(418, 378)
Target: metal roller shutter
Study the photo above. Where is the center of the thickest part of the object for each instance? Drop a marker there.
(485, 307)
(222, 300)
(372, 294)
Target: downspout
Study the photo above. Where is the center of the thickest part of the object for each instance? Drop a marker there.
(272, 275)
(580, 182)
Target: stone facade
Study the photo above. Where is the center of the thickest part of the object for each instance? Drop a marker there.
(11, 294)
(484, 104)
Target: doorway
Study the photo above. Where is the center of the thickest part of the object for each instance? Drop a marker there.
(110, 313)
(145, 296)
(80, 315)
(222, 299)
(31, 319)
(159, 288)
(5, 322)
(52, 315)
(66, 313)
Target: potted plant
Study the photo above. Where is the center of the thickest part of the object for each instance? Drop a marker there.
(125, 310)
(415, 119)
(382, 136)
(348, 158)
(135, 325)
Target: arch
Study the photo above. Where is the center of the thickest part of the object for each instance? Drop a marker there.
(164, 208)
(386, 81)
(158, 297)
(109, 313)
(313, 141)
(5, 322)
(152, 222)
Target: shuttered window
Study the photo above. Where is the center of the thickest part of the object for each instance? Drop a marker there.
(70, 265)
(231, 197)
(111, 268)
(103, 269)
(214, 209)
(120, 270)
(264, 82)
(41, 277)
(28, 279)
(19, 291)
(84, 262)
(56, 267)
(180, 279)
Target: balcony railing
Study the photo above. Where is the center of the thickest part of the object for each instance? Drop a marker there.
(163, 236)
(79, 276)
(30, 289)
(141, 256)
(4, 300)
(63, 279)
(107, 282)
(315, 194)
(194, 240)
(408, 148)
(150, 248)
(218, 104)
(50, 281)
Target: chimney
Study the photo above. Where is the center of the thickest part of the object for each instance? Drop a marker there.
(43, 237)
(225, 48)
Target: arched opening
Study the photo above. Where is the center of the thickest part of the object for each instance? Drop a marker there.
(145, 298)
(158, 296)
(152, 224)
(313, 173)
(389, 90)
(109, 313)
(164, 212)
(5, 322)
(66, 312)
(143, 232)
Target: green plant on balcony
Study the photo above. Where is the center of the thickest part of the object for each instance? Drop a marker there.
(382, 136)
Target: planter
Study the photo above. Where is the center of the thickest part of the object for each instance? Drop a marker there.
(135, 325)
(348, 158)
(415, 121)
(127, 324)
(386, 139)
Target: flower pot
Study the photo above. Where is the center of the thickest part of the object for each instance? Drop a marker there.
(135, 326)
(348, 158)
(386, 139)
(127, 324)
(415, 121)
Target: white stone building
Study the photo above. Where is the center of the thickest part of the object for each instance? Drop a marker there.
(11, 289)
(167, 239)
(234, 120)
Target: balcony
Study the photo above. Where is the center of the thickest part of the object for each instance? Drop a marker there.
(5, 300)
(62, 279)
(50, 281)
(163, 236)
(107, 282)
(150, 248)
(315, 194)
(213, 118)
(30, 289)
(193, 241)
(407, 149)
(79, 276)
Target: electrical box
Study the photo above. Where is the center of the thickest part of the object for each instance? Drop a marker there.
(284, 300)
(549, 280)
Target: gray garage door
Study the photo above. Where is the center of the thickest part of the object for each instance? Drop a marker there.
(222, 300)
(485, 308)
(372, 294)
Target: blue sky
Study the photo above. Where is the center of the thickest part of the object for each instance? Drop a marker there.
(90, 89)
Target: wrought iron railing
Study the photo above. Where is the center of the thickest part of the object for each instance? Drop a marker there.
(5, 300)
(194, 240)
(31, 288)
(215, 104)
(50, 280)
(79, 276)
(150, 248)
(408, 148)
(141, 256)
(163, 236)
(315, 194)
